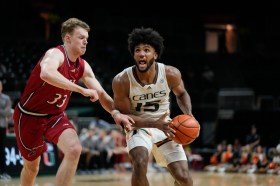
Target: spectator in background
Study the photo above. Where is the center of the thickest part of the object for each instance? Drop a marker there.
(274, 160)
(100, 123)
(119, 151)
(83, 133)
(253, 138)
(215, 158)
(90, 153)
(259, 161)
(11, 129)
(226, 159)
(5, 112)
(245, 158)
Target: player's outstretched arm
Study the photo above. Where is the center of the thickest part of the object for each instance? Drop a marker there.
(104, 98)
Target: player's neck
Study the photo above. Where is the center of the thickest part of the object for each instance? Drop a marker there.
(70, 55)
(147, 77)
(72, 58)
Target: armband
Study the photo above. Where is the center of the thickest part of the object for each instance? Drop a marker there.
(114, 112)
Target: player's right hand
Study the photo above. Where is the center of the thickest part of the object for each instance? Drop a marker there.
(163, 124)
(91, 93)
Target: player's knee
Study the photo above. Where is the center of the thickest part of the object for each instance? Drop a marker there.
(140, 162)
(74, 151)
(31, 171)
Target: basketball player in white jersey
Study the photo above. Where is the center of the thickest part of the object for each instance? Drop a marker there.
(142, 91)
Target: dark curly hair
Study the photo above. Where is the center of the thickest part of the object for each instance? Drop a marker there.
(145, 36)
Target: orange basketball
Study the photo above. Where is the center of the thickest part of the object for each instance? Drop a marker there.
(187, 129)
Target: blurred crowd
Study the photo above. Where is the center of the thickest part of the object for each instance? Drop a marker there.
(103, 149)
(252, 157)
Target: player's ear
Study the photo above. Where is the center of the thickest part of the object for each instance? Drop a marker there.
(155, 55)
(67, 38)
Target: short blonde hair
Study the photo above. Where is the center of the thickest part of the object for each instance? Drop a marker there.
(71, 24)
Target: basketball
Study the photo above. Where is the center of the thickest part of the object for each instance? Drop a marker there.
(187, 129)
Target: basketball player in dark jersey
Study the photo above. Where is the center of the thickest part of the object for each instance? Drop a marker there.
(143, 91)
(40, 111)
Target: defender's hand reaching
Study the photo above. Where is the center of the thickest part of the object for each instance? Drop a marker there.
(123, 121)
(91, 93)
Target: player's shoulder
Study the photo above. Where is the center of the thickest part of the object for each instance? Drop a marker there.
(54, 51)
(121, 77)
(172, 70)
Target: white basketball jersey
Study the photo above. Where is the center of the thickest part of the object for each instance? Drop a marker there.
(151, 100)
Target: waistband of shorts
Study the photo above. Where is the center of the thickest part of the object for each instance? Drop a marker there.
(23, 110)
(160, 143)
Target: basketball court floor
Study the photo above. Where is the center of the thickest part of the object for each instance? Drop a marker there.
(162, 179)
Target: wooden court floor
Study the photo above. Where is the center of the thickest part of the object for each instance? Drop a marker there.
(162, 179)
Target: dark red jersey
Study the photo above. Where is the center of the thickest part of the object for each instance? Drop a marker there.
(41, 97)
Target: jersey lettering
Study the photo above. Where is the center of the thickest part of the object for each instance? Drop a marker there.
(57, 99)
(157, 94)
(151, 106)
